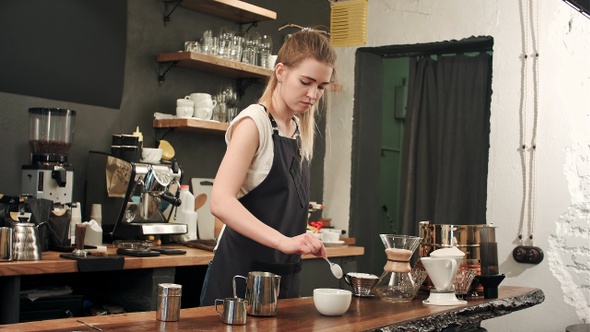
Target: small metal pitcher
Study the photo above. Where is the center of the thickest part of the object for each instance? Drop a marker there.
(233, 312)
(262, 292)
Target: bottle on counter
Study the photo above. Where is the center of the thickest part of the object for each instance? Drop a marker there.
(186, 214)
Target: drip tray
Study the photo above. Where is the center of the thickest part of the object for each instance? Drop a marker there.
(137, 252)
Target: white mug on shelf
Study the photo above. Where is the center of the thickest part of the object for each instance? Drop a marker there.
(203, 113)
(210, 103)
(184, 112)
(198, 96)
(202, 100)
(185, 102)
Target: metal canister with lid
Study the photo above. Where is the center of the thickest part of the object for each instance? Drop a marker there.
(168, 309)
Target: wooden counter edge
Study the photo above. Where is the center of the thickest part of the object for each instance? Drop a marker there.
(52, 263)
(511, 299)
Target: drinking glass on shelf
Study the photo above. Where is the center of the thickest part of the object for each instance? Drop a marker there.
(226, 38)
(220, 112)
(237, 47)
(208, 46)
(265, 51)
(192, 46)
(227, 94)
(232, 112)
(251, 44)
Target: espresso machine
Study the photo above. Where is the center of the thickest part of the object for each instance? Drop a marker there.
(49, 174)
(137, 199)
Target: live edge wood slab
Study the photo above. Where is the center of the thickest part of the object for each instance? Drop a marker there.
(364, 314)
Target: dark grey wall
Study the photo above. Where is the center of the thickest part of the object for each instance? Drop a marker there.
(44, 59)
(198, 153)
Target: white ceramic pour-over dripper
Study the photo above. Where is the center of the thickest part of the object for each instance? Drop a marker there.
(442, 273)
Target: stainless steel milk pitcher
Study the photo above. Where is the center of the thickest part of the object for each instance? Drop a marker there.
(262, 292)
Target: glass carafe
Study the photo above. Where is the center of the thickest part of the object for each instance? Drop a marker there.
(396, 283)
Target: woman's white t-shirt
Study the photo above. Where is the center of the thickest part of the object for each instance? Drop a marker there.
(263, 158)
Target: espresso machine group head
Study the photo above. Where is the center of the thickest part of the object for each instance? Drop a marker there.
(138, 199)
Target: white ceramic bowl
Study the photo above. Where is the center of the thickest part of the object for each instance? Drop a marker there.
(331, 301)
(151, 155)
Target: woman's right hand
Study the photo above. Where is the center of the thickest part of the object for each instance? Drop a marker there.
(303, 244)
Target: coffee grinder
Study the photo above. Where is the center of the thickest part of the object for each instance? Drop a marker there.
(49, 174)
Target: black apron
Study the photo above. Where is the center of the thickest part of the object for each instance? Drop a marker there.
(280, 201)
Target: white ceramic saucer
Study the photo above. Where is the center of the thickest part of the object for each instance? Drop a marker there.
(333, 243)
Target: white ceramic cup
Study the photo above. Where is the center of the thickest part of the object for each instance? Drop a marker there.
(203, 113)
(331, 301)
(185, 102)
(184, 112)
(330, 236)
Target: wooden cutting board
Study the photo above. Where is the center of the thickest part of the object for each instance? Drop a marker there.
(205, 220)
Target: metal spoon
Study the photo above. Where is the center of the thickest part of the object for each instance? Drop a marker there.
(335, 268)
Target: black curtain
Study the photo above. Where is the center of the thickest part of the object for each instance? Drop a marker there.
(446, 143)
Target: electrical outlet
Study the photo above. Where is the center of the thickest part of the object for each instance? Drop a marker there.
(528, 254)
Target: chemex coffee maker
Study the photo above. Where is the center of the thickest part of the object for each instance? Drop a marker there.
(49, 174)
(137, 199)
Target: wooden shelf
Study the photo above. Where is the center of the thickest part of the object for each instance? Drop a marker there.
(214, 65)
(233, 10)
(208, 126)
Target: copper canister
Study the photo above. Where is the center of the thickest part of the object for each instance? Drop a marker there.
(464, 237)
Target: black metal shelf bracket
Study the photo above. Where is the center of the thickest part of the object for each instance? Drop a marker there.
(242, 85)
(162, 74)
(167, 13)
(252, 25)
(161, 133)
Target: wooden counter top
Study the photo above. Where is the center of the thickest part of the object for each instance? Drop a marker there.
(52, 263)
(300, 315)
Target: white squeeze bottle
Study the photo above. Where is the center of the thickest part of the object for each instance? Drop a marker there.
(139, 136)
(186, 214)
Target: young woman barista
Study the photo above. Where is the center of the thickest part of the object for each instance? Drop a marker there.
(261, 190)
